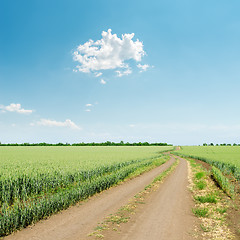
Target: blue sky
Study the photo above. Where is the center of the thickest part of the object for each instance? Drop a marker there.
(179, 75)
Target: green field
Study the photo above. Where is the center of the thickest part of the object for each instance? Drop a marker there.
(31, 160)
(38, 181)
(226, 158)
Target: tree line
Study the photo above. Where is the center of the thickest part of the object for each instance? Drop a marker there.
(221, 144)
(107, 143)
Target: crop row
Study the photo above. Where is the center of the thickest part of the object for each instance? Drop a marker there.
(23, 212)
(223, 182)
(227, 168)
(24, 186)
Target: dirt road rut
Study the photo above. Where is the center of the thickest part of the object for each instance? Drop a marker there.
(167, 213)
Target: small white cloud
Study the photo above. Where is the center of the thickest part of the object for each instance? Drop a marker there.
(98, 74)
(110, 52)
(103, 82)
(15, 107)
(13, 125)
(88, 105)
(88, 110)
(132, 125)
(122, 73)
(53, 123)
(143, 67)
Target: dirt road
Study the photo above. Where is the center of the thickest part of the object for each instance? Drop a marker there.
(166, 215)
(77, 221)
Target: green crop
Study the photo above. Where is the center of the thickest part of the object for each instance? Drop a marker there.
(223, 181)
(225, 158)
(38, 181)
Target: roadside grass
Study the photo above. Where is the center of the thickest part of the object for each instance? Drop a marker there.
(210, 203)
(201, 185)
(221, 210)
(209, 198)
(199, 175)
(199, 178)
(123, 215)
(204, 228)
(200, 211)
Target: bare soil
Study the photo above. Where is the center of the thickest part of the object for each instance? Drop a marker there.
(79, 220)
(165, 215)
(205, 165)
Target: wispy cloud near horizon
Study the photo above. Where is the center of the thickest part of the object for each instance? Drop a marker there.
(52, 123)
(15, 107)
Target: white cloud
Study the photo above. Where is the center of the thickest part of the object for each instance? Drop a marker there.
(15, 107)
(110, 52)
(53, 123)
(88, 110)
(143, 67)
(122, 73)
(132, 125)
(103, 82)
(98, 74)
(88, 105)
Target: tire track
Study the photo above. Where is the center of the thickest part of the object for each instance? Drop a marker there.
(166, 214)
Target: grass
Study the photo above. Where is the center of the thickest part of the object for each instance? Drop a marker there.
(209, 198)
(118, 219)
(200, 212)
(199, 175)
(205, 228)
(221, 210)
(201, 184)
